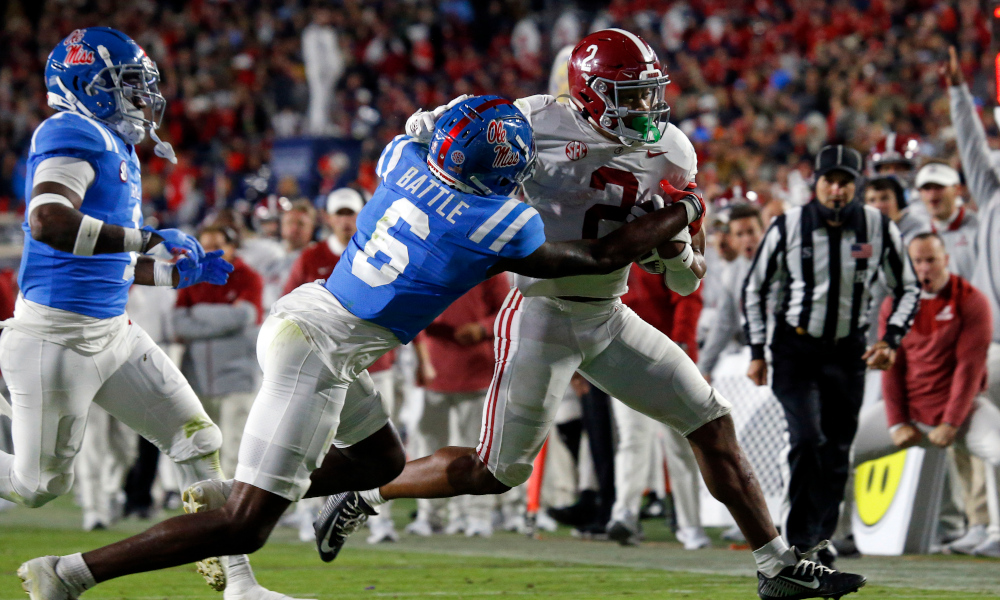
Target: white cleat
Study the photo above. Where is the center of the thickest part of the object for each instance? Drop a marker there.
(255, 592)
(202, 497)
(693, 538)
(39, 579)
(966, 544)
(456, 527)
(382, 531)
(990, 547)
(544, 522)
(478, 528)
(422, 528)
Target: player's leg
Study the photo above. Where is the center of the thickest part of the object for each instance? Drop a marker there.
(685, 486)
(51, 388)
(536, 353)
(632, 471)
(286, 436)
(89, 470)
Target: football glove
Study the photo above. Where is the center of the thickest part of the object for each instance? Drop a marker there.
(690, 194)
(176, 241)
(420, 125)
(211, 269)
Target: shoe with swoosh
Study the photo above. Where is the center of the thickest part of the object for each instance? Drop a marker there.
(341, 516)
(808, 579)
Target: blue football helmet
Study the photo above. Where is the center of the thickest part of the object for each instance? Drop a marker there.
(482, 145)
(102, 73)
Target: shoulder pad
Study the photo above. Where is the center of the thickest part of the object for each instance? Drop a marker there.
(532, 104)
(679, 154)
(72, 131)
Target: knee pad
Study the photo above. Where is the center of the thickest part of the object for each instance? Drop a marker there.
(200, 437)
(47, 490)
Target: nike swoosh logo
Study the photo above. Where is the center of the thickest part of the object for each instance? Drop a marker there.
(651, 154)
(325, 544)
(811, 584)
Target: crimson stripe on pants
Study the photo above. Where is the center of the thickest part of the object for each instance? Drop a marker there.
(502, 357)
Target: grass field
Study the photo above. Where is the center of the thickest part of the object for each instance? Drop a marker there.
(507, 565)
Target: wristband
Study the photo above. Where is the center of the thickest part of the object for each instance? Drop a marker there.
(692, 207)
(135, 241)
(163, 274)
(681, 261)
(86, 236)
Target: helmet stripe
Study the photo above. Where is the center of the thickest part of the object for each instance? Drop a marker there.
(647, 53)
(458, 127)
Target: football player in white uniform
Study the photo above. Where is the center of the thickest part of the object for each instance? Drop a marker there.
(601, 159)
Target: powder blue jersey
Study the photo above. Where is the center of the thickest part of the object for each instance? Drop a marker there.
(421, 244)
(96, 286)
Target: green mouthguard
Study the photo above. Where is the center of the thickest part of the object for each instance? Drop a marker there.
(650, 132)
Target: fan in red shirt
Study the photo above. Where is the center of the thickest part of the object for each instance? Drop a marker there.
(676, 316)
(934, 391)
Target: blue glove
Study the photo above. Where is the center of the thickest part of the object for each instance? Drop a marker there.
(212, 269)
(175, 239)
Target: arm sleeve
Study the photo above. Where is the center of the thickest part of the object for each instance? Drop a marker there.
(74, 173)
(529, 105)
(901, 279)
(205, 321)
(683, 282)
(684, 328)
(970, 357)
(972, 146)
(755, 288)
(894, 380)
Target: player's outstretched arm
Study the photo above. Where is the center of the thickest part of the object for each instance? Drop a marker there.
(211, 268)
(56, 220)
(611, 252)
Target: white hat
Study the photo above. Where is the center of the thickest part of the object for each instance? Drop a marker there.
(344, 198)
(938, 173)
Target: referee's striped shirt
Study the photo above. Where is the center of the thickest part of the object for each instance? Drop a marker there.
(796, 252)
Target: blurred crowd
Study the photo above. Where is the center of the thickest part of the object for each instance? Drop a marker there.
(758, 86)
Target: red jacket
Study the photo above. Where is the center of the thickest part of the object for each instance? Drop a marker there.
(465, 368)
(244, 284)
(666, 310)
(316, 262)
(941, 364)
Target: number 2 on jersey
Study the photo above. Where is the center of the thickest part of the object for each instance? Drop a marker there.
(383, 241)
(599, 180)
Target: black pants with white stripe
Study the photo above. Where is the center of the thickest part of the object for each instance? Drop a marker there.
(821, 386)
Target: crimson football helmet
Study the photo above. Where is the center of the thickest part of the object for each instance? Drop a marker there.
(616, 80)
(894, 150)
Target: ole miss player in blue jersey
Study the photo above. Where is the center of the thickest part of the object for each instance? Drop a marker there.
(441, 222)
(70, 342)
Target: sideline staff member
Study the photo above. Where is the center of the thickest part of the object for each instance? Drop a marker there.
(818, 348)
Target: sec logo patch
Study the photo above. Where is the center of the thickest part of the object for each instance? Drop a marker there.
(457, 157)
(123, 172)
(576, 150)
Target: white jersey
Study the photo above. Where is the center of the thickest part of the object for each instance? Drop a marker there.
(584, 185)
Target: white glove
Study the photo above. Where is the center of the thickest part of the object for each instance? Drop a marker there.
(654, 203)
(420, 125)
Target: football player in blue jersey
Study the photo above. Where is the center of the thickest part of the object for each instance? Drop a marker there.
(442, 221)
(70, 342)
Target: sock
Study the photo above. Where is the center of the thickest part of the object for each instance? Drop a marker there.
(373, 497)
(75, 573)
(239, 575)
(774, 556)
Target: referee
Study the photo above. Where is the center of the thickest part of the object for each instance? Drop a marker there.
(825, 256)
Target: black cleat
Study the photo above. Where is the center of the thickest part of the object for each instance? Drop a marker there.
(808, 579)
(341, 516)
